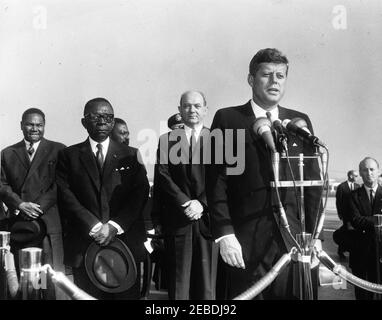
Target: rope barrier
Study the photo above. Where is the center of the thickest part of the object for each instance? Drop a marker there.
(265, 281)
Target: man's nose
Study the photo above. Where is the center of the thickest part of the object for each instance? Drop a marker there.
(274, 78)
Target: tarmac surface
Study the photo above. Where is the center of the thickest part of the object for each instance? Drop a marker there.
(331, 287)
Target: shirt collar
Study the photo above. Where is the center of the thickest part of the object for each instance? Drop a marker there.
(260, 112)
(105, 145)
(368, 189)
(35, 144)
(198, 128)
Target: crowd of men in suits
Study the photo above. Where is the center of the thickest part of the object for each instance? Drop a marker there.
(94, 192)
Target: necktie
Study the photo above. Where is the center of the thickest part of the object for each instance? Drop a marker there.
(192, 144)
(371, 198)
(30, 150)
(99, 156)
(351, 187)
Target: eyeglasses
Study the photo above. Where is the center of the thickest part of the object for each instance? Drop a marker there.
(96, 117)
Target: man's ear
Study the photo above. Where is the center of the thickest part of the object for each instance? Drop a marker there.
(83, 121)
(21, 125)
(250, 80)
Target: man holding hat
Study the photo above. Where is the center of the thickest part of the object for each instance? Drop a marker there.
(102, 190)
(30, 193)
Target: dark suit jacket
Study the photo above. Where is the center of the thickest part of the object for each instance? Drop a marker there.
(361, 218)
(173, 184)
(343, 198)
(87, 198)
(36, 182)
(242, 204)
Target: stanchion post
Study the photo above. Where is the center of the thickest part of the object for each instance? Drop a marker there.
(4, 247)
(304, 266)
(378, 238)
(30, 270)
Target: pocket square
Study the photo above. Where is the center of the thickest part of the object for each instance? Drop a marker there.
(122, 168)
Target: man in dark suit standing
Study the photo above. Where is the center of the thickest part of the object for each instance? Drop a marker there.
(366, 202)
(102, 190)
(179, 191)
(343, 196)
(29, 185)
(240, 202)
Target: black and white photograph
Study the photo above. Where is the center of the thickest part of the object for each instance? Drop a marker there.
(183, 151)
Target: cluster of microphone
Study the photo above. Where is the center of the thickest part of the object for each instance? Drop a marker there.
(263, 127)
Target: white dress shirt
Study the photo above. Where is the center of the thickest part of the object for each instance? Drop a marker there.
(105, 149)
(368, 190)
(198, 129)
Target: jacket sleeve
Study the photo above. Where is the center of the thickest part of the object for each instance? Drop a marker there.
(216, 185)
(164, 179)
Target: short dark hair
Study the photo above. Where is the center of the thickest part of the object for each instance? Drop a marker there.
(269, 55)
(364, 160)
(201, 93)
(119, 121)
(350, 172)
(93, 102)
(32, 111)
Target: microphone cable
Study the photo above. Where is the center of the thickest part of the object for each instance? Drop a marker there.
(320, 217)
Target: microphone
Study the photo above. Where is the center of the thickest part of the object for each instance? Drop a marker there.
(262, 127)
(277, 125)
(299, 127)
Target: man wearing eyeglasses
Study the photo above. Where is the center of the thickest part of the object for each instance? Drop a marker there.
(103, 188)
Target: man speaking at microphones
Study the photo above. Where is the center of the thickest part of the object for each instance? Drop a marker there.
(245, 220)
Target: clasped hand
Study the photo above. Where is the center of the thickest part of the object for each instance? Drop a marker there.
(30, 210)
(105, 234)
(193, 209)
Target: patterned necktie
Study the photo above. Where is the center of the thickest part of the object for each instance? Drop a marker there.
(30, 150)
(371, 197)
(99, 156)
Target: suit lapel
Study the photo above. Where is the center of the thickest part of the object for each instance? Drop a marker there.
(41, 153)
(249, 118)
(110, 161)
(377, 201)
(89, 162)
(22, 154)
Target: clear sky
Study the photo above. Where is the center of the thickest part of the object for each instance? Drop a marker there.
(142, 54)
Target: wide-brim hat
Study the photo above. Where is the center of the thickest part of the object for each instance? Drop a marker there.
(27, 232)
(111, 268)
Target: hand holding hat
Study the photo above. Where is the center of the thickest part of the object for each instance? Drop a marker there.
(105, 234)
(30, 209)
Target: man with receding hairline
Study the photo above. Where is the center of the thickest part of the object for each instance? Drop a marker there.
(181, 208)
(365, 203)
(103, 189)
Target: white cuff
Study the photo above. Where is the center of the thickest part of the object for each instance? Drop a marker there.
(117, 226)
(226, 236)
(95, 229)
